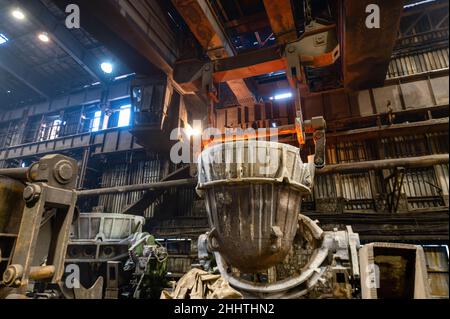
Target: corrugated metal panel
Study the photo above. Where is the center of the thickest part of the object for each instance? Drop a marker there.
(405, 146)
(356, 191)
(127, 174)
(418, 63)
(442, 174)
(178, 265)
(437, 267)
(325, 186)
(422, 188)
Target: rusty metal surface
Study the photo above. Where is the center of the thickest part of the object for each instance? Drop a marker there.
(11, 205)
(252, 209)
(401, 273)
(94, 292)
(366, 61)
(250, 218)
(205, 26)
(16, 173)
(136, 187)
(281, 20)
(437, 267)
(420, 161)
(49, 197)
(316, 260)
(249, 64)
(105, 227)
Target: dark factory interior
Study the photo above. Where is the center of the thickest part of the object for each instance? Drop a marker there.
(224, 149)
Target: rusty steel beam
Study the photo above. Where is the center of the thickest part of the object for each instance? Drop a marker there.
(367, 52)
(204, 25)
(150, 196)
(207, 29)
(281, 20)
(246, 65)
(241, 66)
(137, 187)
(16, 173)
(426, 126)
(409, 162)
(246, 24)
(434, 125)
(249, 64)
(250, 71)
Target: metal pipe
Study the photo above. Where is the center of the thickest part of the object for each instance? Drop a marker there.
(421, 161)
(137, 187)
(42, 272)
(16, 173)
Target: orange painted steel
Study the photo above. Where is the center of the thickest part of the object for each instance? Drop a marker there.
(250, 71)
(267, 133)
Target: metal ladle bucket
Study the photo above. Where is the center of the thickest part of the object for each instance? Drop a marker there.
(253, 192)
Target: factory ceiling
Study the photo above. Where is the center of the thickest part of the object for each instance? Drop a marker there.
(40, 58)
(152, 36)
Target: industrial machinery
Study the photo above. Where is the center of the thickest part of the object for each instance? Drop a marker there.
(265, 249)
(40, 244)
(42, 237)
(99, 244)
(253, 189)
(253, 209)
(148, 261)
(258, 241)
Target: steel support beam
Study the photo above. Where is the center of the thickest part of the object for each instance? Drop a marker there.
(64, 38)
(367, 52)
(414, 23)
(11, 64)
(138, 187)
(150, 196)
(249, 64)
(253, 63)
(409, 162)
(206, 28)
(281, 20)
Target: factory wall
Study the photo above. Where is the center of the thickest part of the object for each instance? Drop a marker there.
(69, 115)
(423, 188)
(134, 172)
(417, 95)
(416, 92)
(399, 94)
